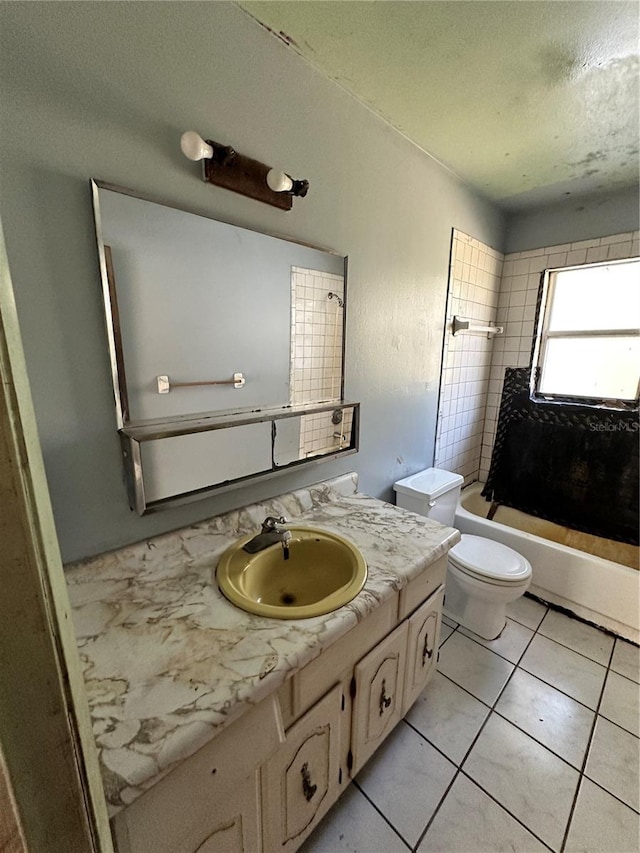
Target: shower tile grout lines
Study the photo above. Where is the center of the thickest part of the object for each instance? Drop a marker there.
(376, 821)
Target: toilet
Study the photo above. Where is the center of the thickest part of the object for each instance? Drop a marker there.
(483, 576)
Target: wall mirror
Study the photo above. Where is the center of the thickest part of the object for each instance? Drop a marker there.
(226, 346)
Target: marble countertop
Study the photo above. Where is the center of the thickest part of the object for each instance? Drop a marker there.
(168, 661)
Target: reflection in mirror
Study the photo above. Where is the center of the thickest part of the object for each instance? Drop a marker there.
(317, 310)
(313, 435)
(197, 301)
(185, 463)
(226, 346)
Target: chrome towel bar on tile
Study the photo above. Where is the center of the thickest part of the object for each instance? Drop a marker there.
(165, 385)
(461, 324)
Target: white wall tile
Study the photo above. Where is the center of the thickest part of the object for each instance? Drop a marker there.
(586, 244)
(619, 250)
(517, 304)
(617, 238)
(576, 256)
(556, 258)
(597, 253)
(474, 288)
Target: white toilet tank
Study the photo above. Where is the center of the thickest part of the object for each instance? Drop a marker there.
(432, 492)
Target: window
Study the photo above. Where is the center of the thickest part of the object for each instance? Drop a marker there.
(588, 344)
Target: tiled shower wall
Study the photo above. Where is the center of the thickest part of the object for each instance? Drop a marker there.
(474, 284)
(317, 322)
(484, 289)
(316, 335)
(319, 434)
(517, 305)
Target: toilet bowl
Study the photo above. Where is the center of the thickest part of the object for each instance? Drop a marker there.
(483, 576)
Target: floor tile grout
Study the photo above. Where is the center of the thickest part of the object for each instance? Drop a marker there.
(615, 797)
(504, 808)
(559, 689)
(468, 692)
(381, 813)
(586, 754)
(471, 746)
(517, 666)
(618, 726)
(626, 677)
(539, 742)
(571, 649)
(490, 711)
(436, 810)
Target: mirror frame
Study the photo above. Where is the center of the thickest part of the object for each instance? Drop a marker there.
(133, 433)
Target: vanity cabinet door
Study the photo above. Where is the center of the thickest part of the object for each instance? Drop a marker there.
(422, 647)
(301, 780)
(238, 826)
(379, 684)
(210, 802)
(229, 824)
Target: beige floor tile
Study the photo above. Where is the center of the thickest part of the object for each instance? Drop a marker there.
(621, 702)
(448, 717)
(510, 644)
(613, 762)
(527, 611)
(469, 820)
(565, 669)
(576, 635)
(626, 660)
(474, 668)
(406, 779)
(527, 779)
(551, 717)
(602, 824)
(352, 825)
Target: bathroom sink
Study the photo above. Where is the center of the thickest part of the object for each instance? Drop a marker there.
(322, 572)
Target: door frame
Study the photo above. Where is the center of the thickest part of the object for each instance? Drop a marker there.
(45, 726)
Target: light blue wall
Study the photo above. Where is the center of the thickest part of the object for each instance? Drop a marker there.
(574, 219)
(104, 90)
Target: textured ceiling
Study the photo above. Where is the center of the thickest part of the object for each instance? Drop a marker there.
(526, 101)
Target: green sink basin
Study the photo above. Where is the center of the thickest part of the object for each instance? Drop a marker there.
(322, 573)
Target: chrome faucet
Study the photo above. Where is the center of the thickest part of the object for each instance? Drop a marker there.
(270, 534)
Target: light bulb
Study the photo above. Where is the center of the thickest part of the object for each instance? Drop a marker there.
(278, 181)
(194, 147)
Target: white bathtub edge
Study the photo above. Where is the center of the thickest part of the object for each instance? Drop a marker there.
(593, 588)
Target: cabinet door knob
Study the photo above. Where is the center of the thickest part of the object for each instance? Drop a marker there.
(426, 651)
(307, 788)
(385, 700)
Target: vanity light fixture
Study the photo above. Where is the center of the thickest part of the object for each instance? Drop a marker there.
(280, 182)
(224, 167)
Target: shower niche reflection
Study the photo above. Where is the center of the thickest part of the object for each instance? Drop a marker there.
(226, 346)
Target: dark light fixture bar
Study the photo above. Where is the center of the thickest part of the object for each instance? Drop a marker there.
(225, 167)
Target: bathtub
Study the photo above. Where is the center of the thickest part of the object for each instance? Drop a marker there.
(595, 589)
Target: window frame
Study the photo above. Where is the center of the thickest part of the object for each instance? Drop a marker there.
(542, 335)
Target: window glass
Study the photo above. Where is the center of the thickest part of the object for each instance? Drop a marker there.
(590, 341)
(596, 297)
(602, 367)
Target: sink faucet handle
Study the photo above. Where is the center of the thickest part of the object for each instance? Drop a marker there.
(271, 523)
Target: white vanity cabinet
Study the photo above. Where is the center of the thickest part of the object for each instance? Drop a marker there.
(302, 779)
(423, 635)
(390, 678)
(210, 803)
(379, 682)
(267, 780)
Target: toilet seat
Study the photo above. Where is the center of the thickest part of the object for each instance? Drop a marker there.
(489, 561)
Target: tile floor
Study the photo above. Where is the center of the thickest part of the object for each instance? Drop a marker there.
(526, 743)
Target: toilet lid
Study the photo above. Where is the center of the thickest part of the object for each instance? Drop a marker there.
(486, 558)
